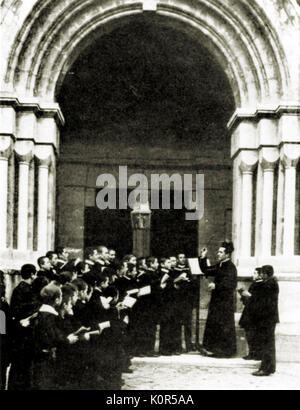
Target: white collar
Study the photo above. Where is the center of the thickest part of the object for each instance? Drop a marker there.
(48, 309)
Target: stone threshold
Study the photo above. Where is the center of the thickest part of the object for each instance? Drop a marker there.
(195, 359)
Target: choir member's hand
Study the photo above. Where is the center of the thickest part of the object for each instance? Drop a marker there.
(86, 336)
(72, 338)
(203, 253)
(120, 306)
(24, 322)
(246, 294)
(211, 286)
(126, 319)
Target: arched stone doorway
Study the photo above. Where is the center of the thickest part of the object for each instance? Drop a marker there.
(152, 98)
(254, 47)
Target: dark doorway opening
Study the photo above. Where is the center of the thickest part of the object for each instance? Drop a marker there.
(109, 227)
(171, 233)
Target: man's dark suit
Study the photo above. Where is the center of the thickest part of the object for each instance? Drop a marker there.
(266, 317)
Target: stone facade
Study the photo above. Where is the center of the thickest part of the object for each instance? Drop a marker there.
(256, 44)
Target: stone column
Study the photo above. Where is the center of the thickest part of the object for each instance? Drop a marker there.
(280, 210)
(289, 156)
(51, 206)
(243, 143)
(247, 166)
(5, 151)
(236, 208)
(43, 154)
(31, 206)
(268, 160)
(24, 152)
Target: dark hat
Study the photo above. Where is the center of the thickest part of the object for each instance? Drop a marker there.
(267, 270)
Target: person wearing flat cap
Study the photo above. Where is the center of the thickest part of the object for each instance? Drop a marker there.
(219, 336)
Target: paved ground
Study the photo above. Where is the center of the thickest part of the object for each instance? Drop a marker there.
(195, 372)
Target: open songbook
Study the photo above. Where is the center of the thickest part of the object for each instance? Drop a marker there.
(132, 291)
(144, 291)
(81, 330)
(104, 325)
(194, 266)
(129, 302)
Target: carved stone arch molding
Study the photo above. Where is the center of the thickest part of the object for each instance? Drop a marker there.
(254, 41)
(49, 35)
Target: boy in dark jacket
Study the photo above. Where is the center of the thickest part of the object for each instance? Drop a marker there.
(247, 322)
(47, 336)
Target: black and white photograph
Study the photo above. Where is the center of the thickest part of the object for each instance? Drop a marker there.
(149, 197)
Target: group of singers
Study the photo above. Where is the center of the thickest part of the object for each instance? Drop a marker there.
(76, 324)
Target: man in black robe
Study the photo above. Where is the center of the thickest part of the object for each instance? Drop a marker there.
(219, 337)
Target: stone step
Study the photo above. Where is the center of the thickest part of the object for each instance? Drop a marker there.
(196, 359)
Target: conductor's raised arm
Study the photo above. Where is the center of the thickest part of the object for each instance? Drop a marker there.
(203, 262)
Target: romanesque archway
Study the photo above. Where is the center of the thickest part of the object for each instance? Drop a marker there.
(251, 43)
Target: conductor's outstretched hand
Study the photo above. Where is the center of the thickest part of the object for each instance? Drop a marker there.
(203, 253)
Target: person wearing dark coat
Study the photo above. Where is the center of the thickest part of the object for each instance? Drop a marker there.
(69, 368)
(188, 295)
(63, 258)
(150, 307)
(23, 304)
(102, 369)
(46, 269)
(145, 312)
(95, 268)
(170, 324)
(266, 317)
(247, 322)
(47, 337)
(219, 336)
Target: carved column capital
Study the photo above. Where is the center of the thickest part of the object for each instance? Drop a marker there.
(24, 150)
(44, 155)
(6, 146)
(247, 161)
(289, 155)
(268, 158)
